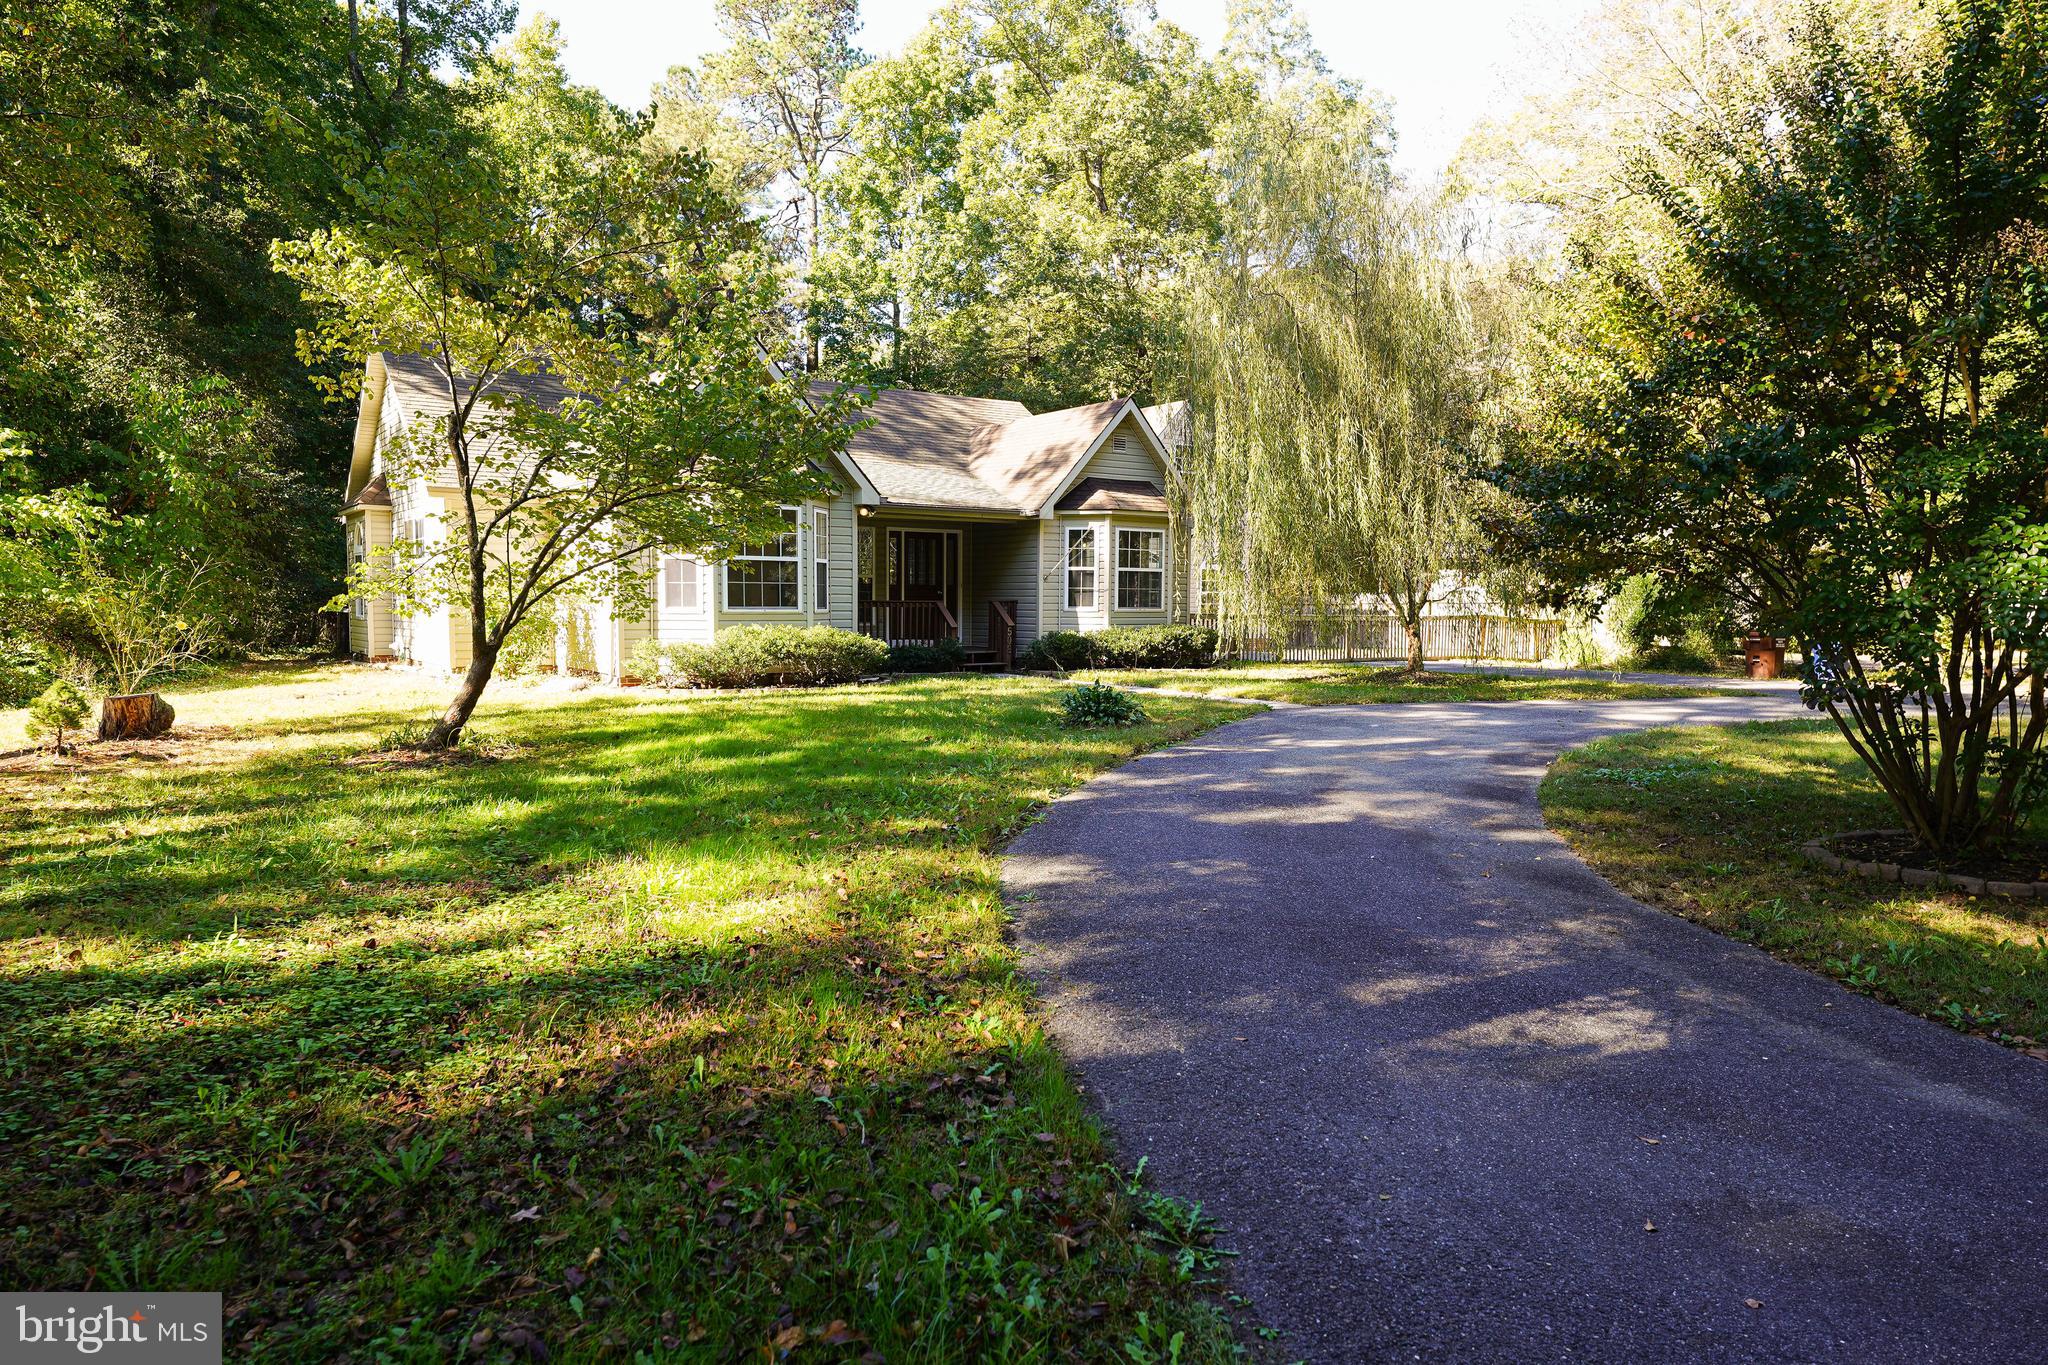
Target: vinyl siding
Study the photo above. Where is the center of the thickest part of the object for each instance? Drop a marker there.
(1006, 569)
(1135, 462)
(1064, 617)
(371, 636)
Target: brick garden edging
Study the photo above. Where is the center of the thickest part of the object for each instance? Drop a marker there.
(1819, 852)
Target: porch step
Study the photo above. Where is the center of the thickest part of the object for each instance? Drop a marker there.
(983, 660)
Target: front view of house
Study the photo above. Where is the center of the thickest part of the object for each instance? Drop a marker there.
(969, 519)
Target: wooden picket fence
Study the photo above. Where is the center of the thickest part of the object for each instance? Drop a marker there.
(1367, 636)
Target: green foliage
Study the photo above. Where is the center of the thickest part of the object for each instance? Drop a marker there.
(673, 964)
(1031, 176)
(1169, 646)
(790, 656)
(1339, 368)
(1355, 684)
(1708, 823)
(1579, 645)
(1064, 650)
(1097, 705)
(1663, 624)
(656, 662)
(1152, 647)
(23, 673)
(540, 233)
(61, 707)
(940, 656)
(1810, 379)
(153, 151)
(418, 735)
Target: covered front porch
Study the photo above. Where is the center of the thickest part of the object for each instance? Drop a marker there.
(923, 579)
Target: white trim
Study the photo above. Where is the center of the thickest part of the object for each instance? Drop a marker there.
(1068, 568)
(1117, 534)
(821, 559)
(681, 581)
(795, 557)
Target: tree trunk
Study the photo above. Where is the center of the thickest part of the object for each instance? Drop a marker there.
(1414, 632)
(142, 715)
(446, 732)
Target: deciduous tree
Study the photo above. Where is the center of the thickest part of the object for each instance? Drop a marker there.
(542, 236)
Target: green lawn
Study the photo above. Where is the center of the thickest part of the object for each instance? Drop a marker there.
(686, 1027)
(1708, 822)
(1339, 684)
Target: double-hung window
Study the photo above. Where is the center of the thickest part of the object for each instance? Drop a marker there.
(359, 607)
(679, 583)
(1140, 570)
(1080, 567)
(821, 560)
(764, 577)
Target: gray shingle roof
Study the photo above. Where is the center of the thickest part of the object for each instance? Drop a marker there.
(423, 385)
(918, 449)
(980, 454)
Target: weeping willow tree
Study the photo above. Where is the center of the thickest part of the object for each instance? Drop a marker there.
(1334, 375)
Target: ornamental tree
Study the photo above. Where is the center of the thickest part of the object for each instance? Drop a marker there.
(1815, 377)
(545, 234)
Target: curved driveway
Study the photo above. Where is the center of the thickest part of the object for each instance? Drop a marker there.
(1455, 1097)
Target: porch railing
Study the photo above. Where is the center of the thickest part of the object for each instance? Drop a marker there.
(1002, 632)
(908, 621)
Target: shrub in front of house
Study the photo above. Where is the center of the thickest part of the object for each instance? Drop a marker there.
(1154, 646)
(1123, 647)
(1061, 649)
(762, 656)
(1097, 706)
(940, 656)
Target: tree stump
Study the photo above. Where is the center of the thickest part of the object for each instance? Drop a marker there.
(143, 715)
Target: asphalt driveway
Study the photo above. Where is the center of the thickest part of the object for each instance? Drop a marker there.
(1456, 1098)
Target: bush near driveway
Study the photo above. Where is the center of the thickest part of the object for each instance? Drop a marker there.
(690, 1028)
(1708, 823)
(1122, 647)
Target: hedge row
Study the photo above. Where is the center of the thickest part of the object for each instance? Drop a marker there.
(1123, 647)
(786, 656)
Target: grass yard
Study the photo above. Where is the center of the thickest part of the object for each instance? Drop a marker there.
(686, 1028)
(1340, 684)
(1707, 822)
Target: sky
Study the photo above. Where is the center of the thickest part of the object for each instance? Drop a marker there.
(1444, 63)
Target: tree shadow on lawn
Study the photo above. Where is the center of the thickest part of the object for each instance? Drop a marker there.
(741, 1135)
(183, 855)
(317, 1036)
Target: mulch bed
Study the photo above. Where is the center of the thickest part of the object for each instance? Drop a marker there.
(2025, 861)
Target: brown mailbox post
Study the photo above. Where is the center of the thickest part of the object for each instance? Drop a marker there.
(1764, 654)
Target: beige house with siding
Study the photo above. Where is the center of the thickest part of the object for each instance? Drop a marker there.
(970, 519)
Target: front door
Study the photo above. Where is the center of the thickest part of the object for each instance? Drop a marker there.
(928, 567)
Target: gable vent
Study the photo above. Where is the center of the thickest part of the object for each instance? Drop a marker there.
(1120, 444)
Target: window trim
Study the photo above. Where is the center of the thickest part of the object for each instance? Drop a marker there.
(795, 558)
(1157, 575)
(1093, 568)
(821, 559)
(358, 555)
(687, 591)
